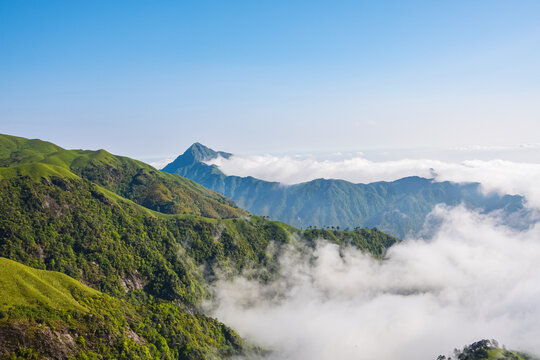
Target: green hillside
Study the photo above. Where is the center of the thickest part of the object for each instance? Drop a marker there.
(24, 286)
(70, 225)
(48, 315)
(126, 177)
(399, 207)
(80, 213)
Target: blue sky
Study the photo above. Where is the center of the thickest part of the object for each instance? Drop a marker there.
(147, 79)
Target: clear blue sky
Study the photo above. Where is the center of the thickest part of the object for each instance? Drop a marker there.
(148, 78)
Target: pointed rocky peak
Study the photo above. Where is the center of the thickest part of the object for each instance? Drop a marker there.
(196, 153)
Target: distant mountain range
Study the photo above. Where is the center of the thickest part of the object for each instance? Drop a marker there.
(399, 207)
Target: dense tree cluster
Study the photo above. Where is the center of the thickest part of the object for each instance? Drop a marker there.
(486, 350)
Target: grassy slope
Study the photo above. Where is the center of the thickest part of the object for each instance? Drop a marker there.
(496, 354)
(126, 177)
(24, 286)
(45, 314)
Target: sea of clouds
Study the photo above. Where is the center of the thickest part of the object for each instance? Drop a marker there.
(472, 279)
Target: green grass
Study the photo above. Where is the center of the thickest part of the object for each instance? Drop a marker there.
(46, 314)
(25, 149)
(35, 171)
(498, 354)
(128, 178)
(24, 286)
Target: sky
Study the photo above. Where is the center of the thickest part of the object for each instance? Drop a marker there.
(383, 89)
(147, 79)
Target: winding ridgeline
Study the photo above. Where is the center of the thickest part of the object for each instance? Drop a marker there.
(103, 256)
(398, 208)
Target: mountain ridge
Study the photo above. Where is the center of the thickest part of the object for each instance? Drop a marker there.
(129, 178)
(397, 207)
(80, 213)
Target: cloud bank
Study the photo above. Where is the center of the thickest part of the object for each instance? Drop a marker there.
(474, 279)
(161, 163)
(502, 176)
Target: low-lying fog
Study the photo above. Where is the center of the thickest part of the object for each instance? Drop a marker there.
(474, 279)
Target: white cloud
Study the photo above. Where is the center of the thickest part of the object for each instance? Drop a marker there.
(505, 177)
(474, 279)
(288, 170)
(496, 148)
(160, 163)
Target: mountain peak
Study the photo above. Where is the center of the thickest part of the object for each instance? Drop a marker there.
(196, 153)
(199, 149)
(198, 145)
